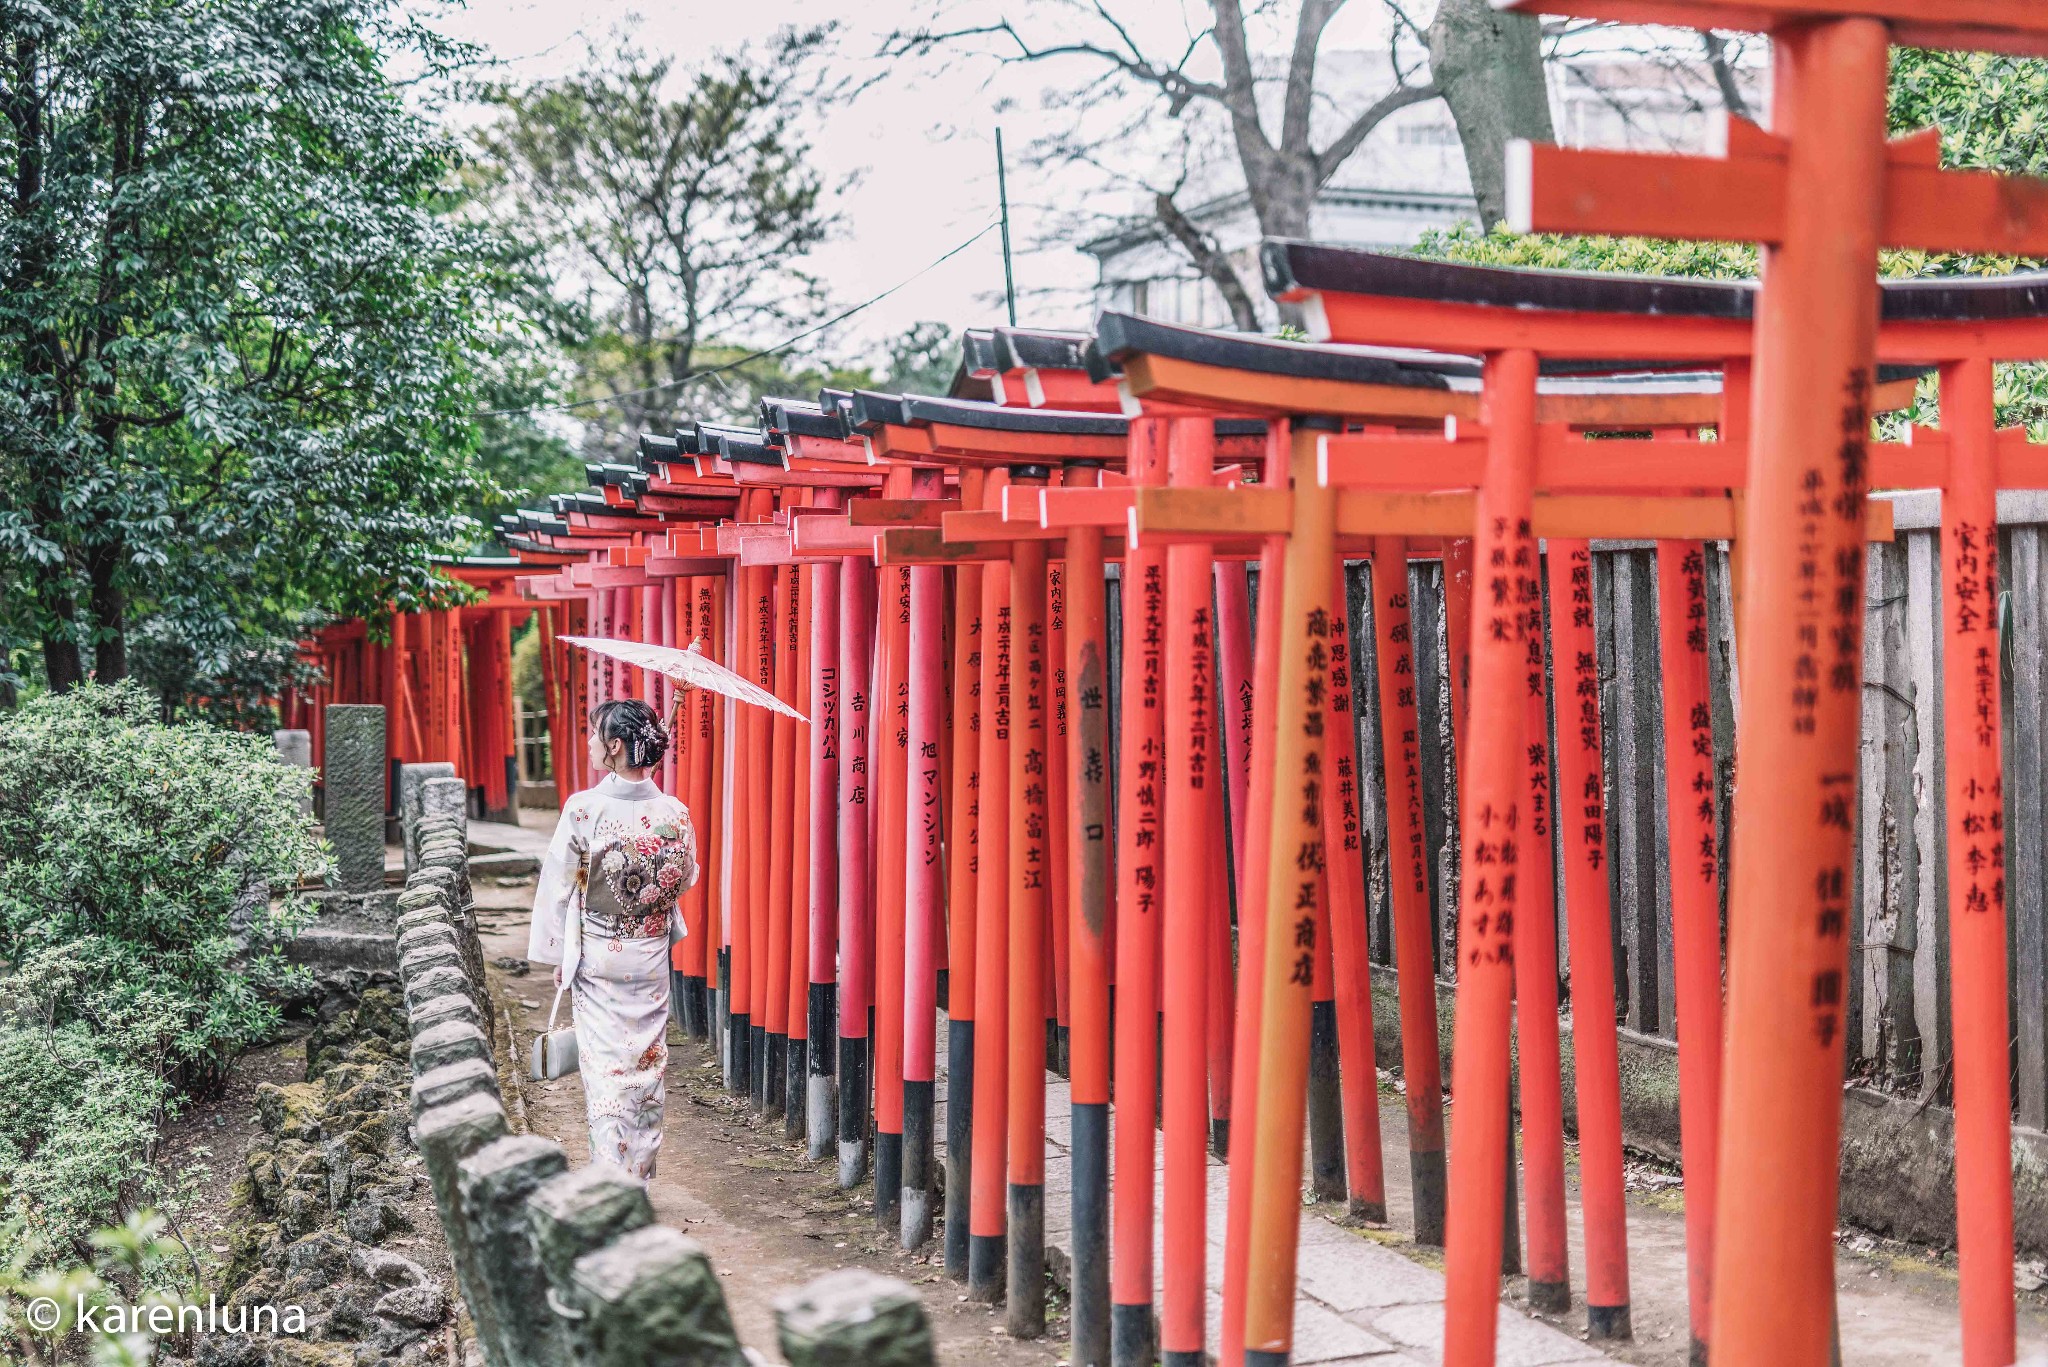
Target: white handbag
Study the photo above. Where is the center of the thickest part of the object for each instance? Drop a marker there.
(554, 1051)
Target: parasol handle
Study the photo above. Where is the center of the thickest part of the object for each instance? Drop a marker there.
(682, 690)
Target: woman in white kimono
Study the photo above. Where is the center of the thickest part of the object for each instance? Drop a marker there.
(605, 915)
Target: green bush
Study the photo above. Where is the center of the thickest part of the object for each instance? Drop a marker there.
(139, 934)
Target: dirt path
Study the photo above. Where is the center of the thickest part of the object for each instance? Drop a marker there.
(770, 1220)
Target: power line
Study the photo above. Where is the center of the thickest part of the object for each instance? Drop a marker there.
(783, 345)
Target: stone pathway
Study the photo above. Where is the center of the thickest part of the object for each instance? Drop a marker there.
(1357, 1302)
(1366, 1296)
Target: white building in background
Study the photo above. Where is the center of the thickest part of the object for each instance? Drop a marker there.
(1409, 177)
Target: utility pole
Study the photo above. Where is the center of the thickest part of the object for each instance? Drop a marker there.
(1003, 198)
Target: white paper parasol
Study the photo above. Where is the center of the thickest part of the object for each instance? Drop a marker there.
(687, 667)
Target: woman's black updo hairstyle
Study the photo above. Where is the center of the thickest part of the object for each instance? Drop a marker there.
(634, 722)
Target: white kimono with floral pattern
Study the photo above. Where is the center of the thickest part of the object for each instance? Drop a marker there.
(605, 911)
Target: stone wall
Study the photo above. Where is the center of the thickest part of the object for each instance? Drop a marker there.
(325, 1187)
(561, 1266)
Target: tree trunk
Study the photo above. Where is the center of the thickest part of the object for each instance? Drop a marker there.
(1210, 260)
(1489, 65)
(56, 603)
(1284, 202)
(109, 615)
(63, 665)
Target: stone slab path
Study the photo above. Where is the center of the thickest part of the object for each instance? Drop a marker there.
(1368, 1296)
(1358, 1301)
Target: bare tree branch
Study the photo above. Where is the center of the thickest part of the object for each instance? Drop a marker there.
(1240, 87)
(1399, 98)
(1301, 72)
(1724, 74)
(1209, 259)
(1171, 81)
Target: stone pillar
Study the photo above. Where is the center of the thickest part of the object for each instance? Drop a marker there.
(582, 1211)
(411, 778)
(446, 1135)
(444, 796)
(449, 1041)
(296, 749)
(453, 1081)
(494, 1183)
(355, 780)
(854, 1318)
(651, 1297)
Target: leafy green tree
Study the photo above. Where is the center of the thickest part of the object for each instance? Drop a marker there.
(684, 216)
(241, 341)
(922, 359)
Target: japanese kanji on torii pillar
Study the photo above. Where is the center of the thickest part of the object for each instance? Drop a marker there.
(1822, 192)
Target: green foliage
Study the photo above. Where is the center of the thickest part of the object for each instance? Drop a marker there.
(208, 658)
(130, 1265)
(242, 336)
(922, 359)
(1993, 115)
(1992, 110)
(137, 863)
(529, 685)
(1627, 255)
(76, 1145)
(683, 203)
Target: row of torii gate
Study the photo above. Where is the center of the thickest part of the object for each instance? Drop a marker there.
(984, 803)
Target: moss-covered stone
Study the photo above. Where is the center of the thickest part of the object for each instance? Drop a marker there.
(854, 1318)
(582, 1211)
(651, 1296)
(290, 1111)
(449, 1041)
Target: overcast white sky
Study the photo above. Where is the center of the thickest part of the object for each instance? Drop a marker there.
(924, 140)
(925, 148)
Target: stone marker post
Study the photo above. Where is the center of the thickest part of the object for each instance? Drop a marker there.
(494, 1183)
(296, 749)
(355, 780)
(446, 1135)
(443, 796)
(650, 1297)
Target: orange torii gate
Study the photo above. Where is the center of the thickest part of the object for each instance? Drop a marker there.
(1011, 1112)
(443, 675)
(1822, 193)
(1210, 365)
(1024, 869)
(1289, 382)
(1079, 837)
(771, 960)
(1339, 278)
(1360, 477)
(1597, 468)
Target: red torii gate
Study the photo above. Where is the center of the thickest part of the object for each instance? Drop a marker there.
(1926, 322)
(444, 678)
(1822, 194)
